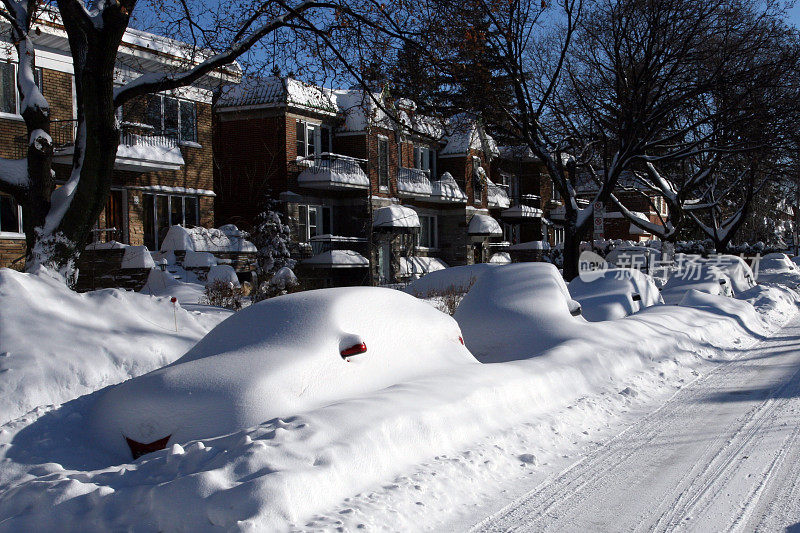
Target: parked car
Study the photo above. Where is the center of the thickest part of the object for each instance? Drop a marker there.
(517, 311)
(614, 293)
(635, 257)
(778, 268)
(698, 274)
(279, 358)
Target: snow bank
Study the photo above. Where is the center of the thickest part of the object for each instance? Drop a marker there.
(56, 344)
(282, 473)
(616, 293)
(199, 259)
(281, 357)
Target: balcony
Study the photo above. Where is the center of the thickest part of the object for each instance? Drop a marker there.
(413, 182)
(445, 190)
(141, 147)
(497, 195)
(331, 171)
(325, 243)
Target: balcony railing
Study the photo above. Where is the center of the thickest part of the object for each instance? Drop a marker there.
(497, 195)
(413, 182)
(325, 243)
(328, 170)
(131, 134)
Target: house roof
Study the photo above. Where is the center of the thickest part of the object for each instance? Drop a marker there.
(274, 90)
(465, 133)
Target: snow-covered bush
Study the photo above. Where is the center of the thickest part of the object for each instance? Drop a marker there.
(223, 293)
(447, 299)
(274, 261)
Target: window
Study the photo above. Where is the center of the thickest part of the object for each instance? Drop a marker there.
(511, 233)
(383, 163)
(9, 101)
(428, 231)
(312, 139)
(162, 211)
(166, 115)
(10, 215)
(313, 220)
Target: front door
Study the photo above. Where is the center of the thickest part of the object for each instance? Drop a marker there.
(114, 216)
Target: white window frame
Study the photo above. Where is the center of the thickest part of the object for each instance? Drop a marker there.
(17, 115)
(315, 137)
(14, 234)
(422, 158)
(169, 210)
(320, 224)
(162, 130)
(434, 228)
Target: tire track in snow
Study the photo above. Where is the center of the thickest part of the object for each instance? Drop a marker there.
(690, 457)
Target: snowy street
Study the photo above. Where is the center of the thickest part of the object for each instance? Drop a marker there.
(722, 454)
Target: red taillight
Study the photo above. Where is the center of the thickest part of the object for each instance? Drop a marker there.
(461, 340)
(354, 349)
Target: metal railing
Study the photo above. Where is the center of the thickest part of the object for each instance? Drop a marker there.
(327, 162)
(325, 243)
(413, 179)
(498, 193)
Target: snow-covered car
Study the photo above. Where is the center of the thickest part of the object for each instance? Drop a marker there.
(517, 311)
(278, 358)
(614, 293)
(459, 278)
(696, 273)
(778, 268)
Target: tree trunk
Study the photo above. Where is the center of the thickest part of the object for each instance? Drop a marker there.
(572, 245)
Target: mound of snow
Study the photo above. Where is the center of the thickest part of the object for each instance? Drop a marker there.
(199, 259)
(56, 344)
(281, 357)
(223, 273)
(616, 293)
(516, 311)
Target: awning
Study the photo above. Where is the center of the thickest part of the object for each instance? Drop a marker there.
(484, 225)
(500, 258)
(337, 259)
(395, 218)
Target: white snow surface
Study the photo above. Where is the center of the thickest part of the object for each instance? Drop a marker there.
(457, 277)
(338, 259)
(410, 457)
(56, 344)
(610, 295)
(194, 259)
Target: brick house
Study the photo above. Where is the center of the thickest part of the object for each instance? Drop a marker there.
(163, 173)
(335, 158)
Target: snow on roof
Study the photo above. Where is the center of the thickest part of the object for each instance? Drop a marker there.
(446, 188)
(484, 225)
(395, 216)
(419, 266)
(337, 259)
(518, 153)
(274, 90)
(204, 240)
(530, 245)
(360, 111)
(467, 134)
(521, 211)
(139, 150)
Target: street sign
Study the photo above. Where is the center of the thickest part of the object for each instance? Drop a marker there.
(599, 219)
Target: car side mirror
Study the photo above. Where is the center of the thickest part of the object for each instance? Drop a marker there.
(636, 297)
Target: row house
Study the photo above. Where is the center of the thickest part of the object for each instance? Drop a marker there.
(163, 172)
(374, 191)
